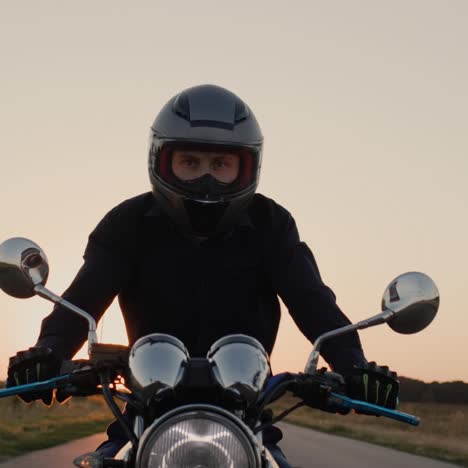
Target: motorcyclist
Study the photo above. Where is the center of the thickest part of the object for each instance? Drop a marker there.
(201, 255)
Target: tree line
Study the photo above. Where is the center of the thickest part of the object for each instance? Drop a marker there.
(435, 392)
(438, 392)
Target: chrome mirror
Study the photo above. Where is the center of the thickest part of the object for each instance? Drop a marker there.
(409, 305)
(414, 300)
(23, 266)
(24, 270)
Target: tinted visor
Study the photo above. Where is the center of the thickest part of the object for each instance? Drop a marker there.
(186, 165)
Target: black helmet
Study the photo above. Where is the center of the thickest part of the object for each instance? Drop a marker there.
(205, 118)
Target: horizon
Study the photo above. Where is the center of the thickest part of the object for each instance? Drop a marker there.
(363, 111)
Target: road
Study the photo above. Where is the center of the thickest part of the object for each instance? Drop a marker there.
(304, 448)
(310, 449)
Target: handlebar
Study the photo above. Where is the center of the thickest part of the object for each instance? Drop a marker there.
(348, 403)
(56, 382)
(334, 400)
(71, 373)
(277, 387)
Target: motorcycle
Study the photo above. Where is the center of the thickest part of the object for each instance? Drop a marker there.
(202, 412)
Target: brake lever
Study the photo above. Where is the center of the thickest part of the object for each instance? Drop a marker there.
(70, 371)
(349, 403)
(56, 382)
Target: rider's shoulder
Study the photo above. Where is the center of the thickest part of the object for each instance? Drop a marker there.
(267, 212)
(136, 205)
(124, 216)
(130, 209)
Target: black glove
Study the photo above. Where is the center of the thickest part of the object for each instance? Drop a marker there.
(33, 365)
(374, 384)
(315, 390)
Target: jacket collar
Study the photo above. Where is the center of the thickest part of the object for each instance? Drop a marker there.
(155, 210)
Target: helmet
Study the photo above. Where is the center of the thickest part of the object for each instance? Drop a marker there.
(205, 119)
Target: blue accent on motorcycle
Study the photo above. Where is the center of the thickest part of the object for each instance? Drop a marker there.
(349, 403)
(37, 386)
(275, 380)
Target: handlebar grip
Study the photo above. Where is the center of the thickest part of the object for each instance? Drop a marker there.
(69, 367)
(359, 405)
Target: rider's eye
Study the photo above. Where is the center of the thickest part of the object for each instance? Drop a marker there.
(189, 162)
(220, 163)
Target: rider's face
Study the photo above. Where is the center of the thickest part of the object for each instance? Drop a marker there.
(192, 164)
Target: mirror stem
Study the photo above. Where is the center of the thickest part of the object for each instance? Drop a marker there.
(50, 296)
(311, 366)
(378, 319)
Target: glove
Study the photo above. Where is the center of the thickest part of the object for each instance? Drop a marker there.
(374, 384)
(33, 365)
(315, 390)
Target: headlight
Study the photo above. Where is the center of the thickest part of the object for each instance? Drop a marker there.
(240, 363)
(197, 439)
(156, 362)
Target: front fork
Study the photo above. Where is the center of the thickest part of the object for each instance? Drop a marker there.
(125, 453)
(267, 459)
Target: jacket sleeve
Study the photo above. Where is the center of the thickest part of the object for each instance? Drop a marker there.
(106, 268)
(310, 302)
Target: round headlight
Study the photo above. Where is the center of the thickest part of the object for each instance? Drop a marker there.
(156, 362)
(240, 363)
(196, 439)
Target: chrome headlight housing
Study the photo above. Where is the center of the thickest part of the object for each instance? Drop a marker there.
(241, 364)
(157, 362)
(198, 437)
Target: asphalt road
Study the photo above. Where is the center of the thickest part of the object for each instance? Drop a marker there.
(303, 447)
(312, 449)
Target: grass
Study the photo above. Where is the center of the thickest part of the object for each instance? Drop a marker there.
(443, 433)
(27, 427)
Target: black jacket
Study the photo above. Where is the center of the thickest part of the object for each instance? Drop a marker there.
(201, 291)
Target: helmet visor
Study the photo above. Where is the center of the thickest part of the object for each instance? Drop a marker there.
(206, 169)
(188, 165)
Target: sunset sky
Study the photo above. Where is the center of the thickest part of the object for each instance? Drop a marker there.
(363, 105)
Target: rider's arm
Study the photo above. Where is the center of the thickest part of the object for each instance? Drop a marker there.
(106, 268)
(311, 303)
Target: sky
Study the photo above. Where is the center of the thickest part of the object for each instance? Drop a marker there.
(364, 110)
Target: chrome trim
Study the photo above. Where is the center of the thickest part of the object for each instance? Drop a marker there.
(52, 297)
(125, 453)
(269, 459)
(409, 305)
(200, 408)
(413, 299)
(23, 265)
(157, 363)
(240, 364)
(24, 270)
(139, 426)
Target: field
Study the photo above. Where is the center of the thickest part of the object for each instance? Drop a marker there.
(443, 432)
(24, 428)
